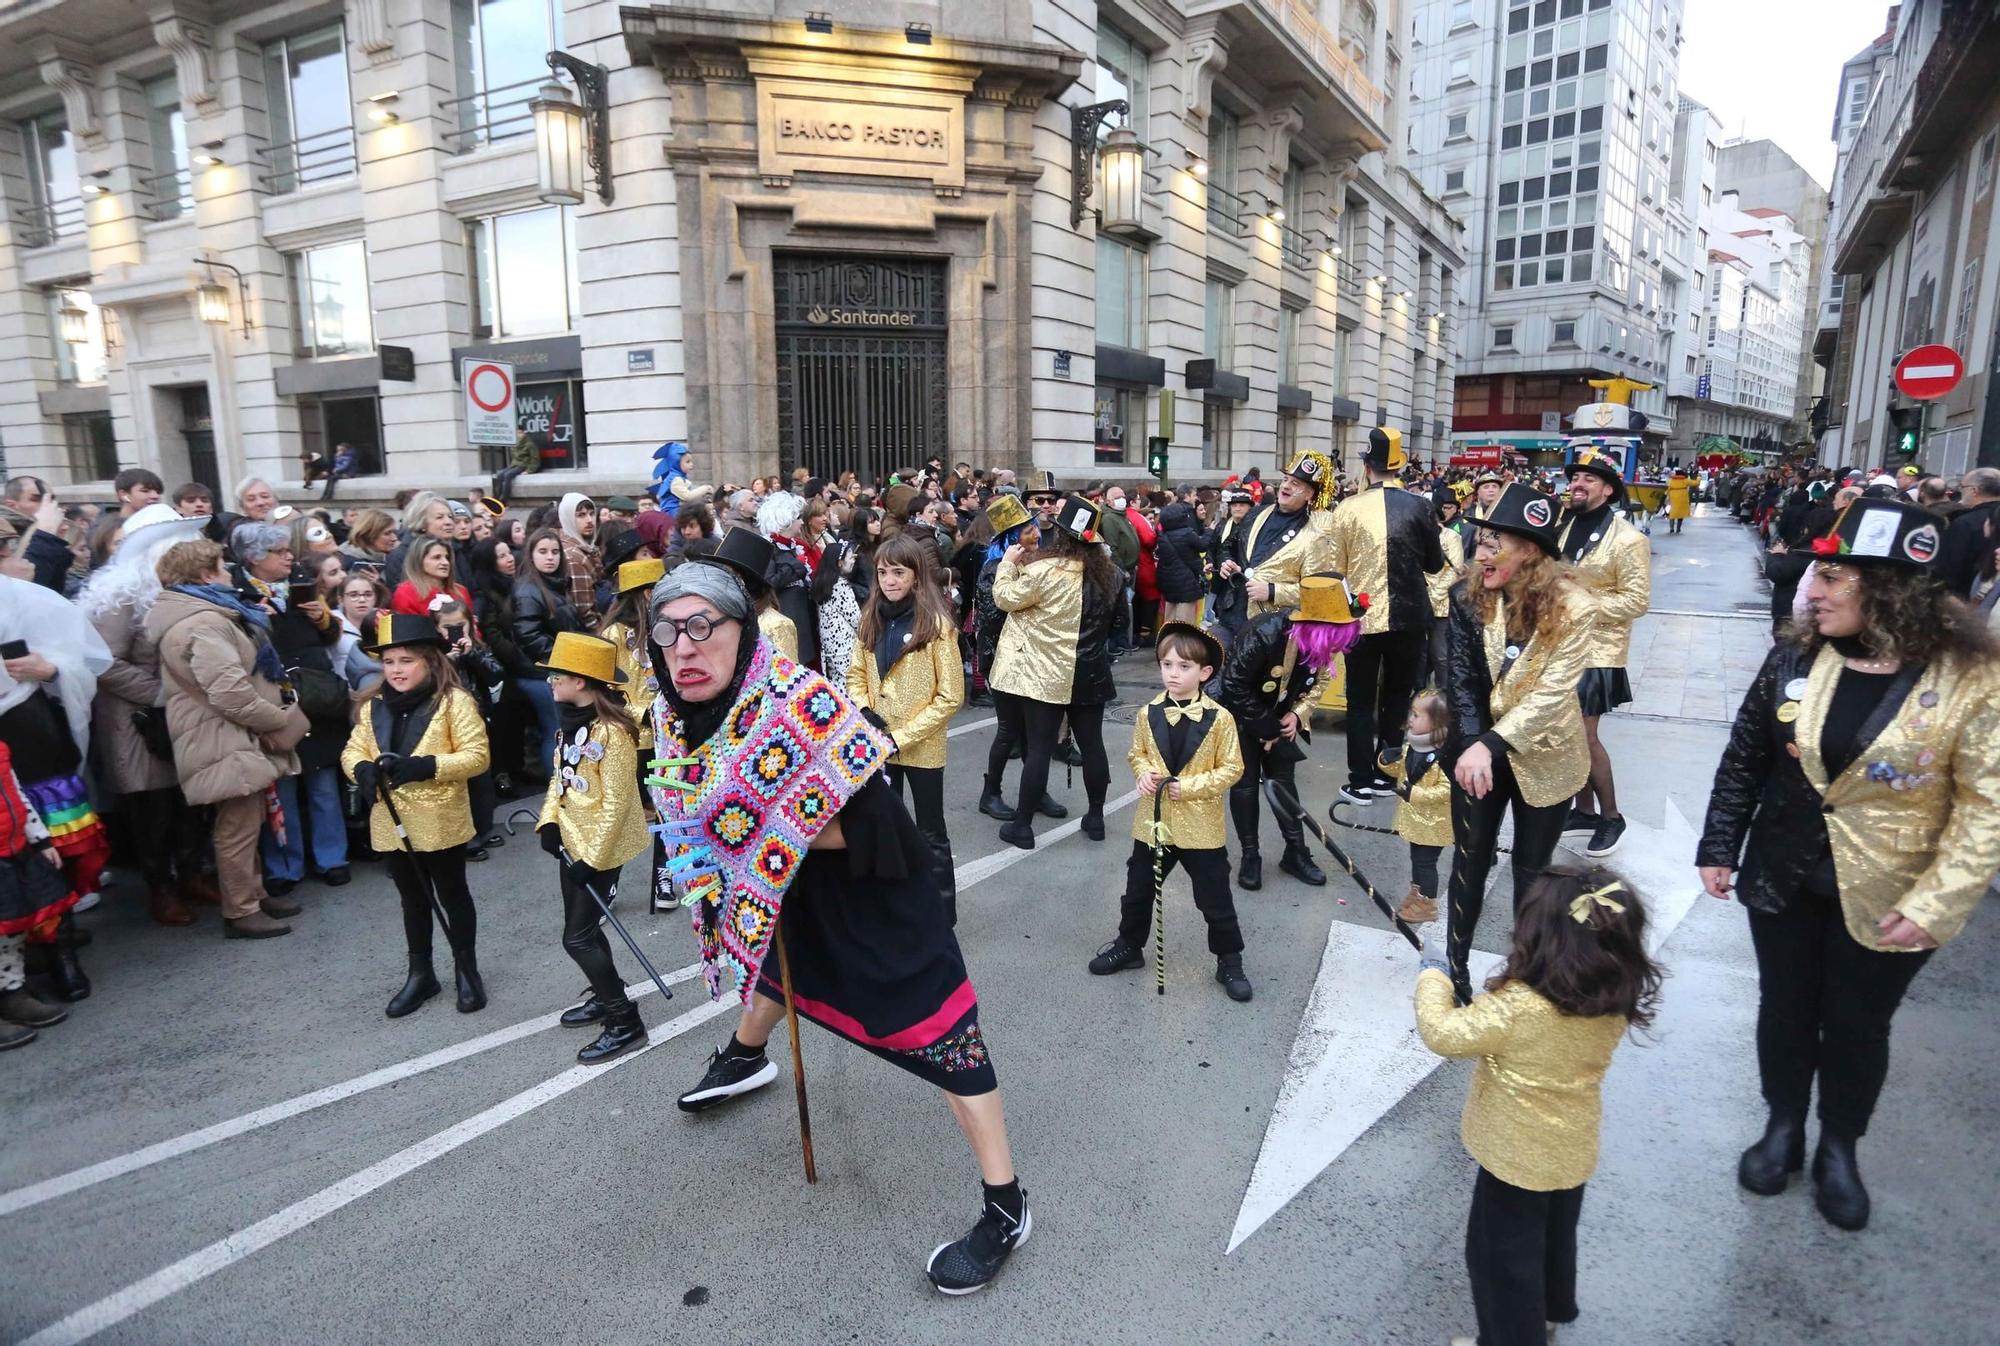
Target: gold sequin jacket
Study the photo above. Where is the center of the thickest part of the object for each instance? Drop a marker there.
(1381, 541)
(1532, 1115)
(924, 689)
(1423, 806)
(1453, 547)
(641, 687)
(1617, 574)
(1532, 709)
(437, 813)
(1194, 822)
(1913, 822)
(781, 631)
(1037, 656)
(1307, 551)
(594, 799)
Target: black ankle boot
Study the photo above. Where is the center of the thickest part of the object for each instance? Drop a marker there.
(67, 976)
(1048, 808)
(1229, 971)
(1018, 833)
(994, 807)
(1250, 872)
(422, 985)
(471, 990)
(1093, 825)
(1837, 1189)
(623, 1030)
(1768, 1165)
(589, 1012)
(1297, 861)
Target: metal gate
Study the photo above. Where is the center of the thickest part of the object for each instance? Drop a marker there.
(861, 367)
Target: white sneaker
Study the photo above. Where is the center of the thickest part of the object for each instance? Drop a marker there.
(85, 903)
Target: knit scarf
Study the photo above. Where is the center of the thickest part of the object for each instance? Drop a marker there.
(739, 809)
(258, 620)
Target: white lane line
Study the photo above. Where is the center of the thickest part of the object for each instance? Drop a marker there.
(116, 1307)
(971, 726)
(21, 1198)
(986, 866)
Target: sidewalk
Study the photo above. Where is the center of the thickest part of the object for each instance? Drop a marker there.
(1696, 652)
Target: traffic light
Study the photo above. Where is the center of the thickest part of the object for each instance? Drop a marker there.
(1905, 428)
(1156, 457)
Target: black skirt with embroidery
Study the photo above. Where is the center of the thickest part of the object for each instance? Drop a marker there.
(872, 951)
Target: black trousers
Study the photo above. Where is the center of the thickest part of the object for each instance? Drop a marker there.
(1520, 1251)
(927, 804)
(167, 843)
(1824, 1003)
(1475, 832)
(484, 798)
(1207, 870)
(583, 937)
(1279, 764)
(1381, 679)
(1424, 868)
(415, 874)
(1041, 723)
(1009, 732)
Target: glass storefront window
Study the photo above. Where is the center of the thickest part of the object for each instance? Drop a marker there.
(168, 191)
(330, 300)
(524, 273)
(310, 109)
(1218, 424)
(553, 414)
(93, 449)
(86, 361)
(1119, 421)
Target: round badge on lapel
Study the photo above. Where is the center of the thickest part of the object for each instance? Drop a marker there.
(1788, 712)
(1513, 651)
(1927, 700)
(1795, 689)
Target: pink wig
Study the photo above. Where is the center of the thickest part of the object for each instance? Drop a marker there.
(1319, 642)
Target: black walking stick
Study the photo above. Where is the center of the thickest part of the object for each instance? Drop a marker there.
(382, 787)
(1334, 813)
(604, 907)
(1290, 808)
(1159, 893)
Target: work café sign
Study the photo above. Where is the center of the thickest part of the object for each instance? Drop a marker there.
(909, 133)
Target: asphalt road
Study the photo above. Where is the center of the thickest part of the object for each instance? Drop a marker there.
(229, 1142)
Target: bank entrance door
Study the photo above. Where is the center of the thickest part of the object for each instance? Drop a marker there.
(861, 370)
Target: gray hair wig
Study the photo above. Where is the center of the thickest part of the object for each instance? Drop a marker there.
(711, 581)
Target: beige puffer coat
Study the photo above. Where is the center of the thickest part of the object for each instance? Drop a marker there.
(232, 734)
(128, 686)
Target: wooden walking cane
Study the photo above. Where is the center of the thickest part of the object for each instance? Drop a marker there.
(798, 1059)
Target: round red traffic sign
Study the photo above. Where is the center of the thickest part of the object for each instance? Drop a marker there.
(1929, 372)
(485, 381)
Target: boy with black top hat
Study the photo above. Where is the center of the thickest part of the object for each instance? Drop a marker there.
(1614, 563)
(1385, 541)
(1185, 757)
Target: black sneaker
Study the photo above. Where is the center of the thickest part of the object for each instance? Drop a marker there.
(1117, 956)
(1582, 822)
(971, 1263)
(1358, 794)
(1605, 840)
(1382, 785)
(726, 1077)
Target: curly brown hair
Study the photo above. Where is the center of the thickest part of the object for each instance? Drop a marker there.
(1908, 614)
(1536, 598)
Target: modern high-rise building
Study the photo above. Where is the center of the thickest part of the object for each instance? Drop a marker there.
(1768, 183)
(1031, 233)
(1549, 124)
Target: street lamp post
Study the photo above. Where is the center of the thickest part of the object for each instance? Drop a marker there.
(571, 137)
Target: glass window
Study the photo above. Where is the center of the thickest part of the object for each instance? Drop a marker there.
(1218, 426)
(1586, 180)
(1594, 58)
(1579, 266)
(330, 304)
(1529, 274)
(1517, 21)
(1503, 336)
(1538, 102)
(1219, 324)
(1288, 345)
(93, 449)
(1552, 270)
(1565, 333)
(500, 48)
(1516, 78)
(1461, 70)
(1503, 278)
(1541, 72)
(84, 362)
(169, 191)
(1510, 137)
(1224, 131)
(311, 112)
(1118, 421)
(1121, 294)
(53, 187)
(1121, 73)
(1455, 126)
(524, 273)
(1510, 193)
(1454, 181)
(1531, 246)
(1545, 12)
(1461, 13)
(1503, 250)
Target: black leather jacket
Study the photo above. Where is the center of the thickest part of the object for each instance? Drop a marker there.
(1414, 555)
(1468, 690)
(1765, 819)
(536, 623)
(793, 585)
(987, 618)
(1246, 670)
(1177, 555)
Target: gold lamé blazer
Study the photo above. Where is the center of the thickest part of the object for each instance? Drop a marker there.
(437, 813)
(1308, 551)
(1036, 656)
(594, 801)
(924, 689)
(1535, 708)
(1195, 821)
(1617, 574)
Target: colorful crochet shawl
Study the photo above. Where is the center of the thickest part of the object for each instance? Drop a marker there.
(738, 812)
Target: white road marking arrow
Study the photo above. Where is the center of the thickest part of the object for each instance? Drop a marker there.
(1357, 1053)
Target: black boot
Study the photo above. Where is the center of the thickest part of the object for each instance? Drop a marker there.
(1297, 861)
(1768, 1165)
(422, 985)
(1229, 971)
(1117, 956)
(471, 990)
(1048, 808)
(66, 977)
(1093, 824)
(1837, 1189)
(1250, 871)
(993, 806)
(623, 1030)
(1018, 833)
(589, 1012)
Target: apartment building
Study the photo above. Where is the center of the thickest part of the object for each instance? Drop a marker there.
(1031, 233)
(1769, 183)
(1755, 320)
(1549, 124)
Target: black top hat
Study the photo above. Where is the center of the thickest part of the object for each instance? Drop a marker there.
(1385, 450)
(1077, 517)
(747, 552)
(1441, 496)
(1885, 532)
(400, 628)
(1602, 463)
(1211, 647)
(1525, 511)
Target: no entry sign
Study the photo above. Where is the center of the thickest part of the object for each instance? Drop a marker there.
(1929, 372)
(489, 402)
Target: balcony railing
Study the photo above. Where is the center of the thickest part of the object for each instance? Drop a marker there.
(490, 115)
(167, 196)
(45, 224)
(322, 157)
(1298, 18)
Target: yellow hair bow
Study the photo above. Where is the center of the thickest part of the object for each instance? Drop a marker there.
(1579, 910)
